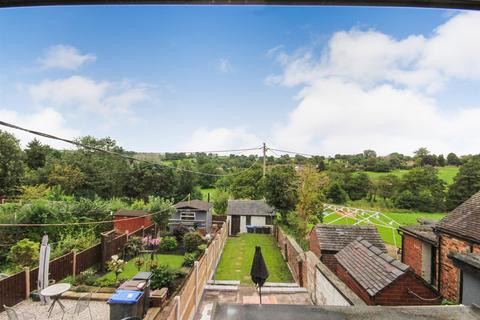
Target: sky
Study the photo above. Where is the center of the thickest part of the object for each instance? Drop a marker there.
(322, 80)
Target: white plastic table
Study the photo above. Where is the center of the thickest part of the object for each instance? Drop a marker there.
(54, 292)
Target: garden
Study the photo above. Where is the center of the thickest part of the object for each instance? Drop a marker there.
(238, 256)
(169, 257)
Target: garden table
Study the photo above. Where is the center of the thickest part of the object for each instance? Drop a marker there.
(54, 292)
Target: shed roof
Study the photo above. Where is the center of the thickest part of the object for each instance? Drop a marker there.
(194, 204)
(249, 208)
(463, 221)
(130, 213)
(369, 266)
(335, 237)
(424, 232)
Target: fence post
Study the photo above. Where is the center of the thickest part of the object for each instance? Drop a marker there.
(105, 242)
(27, 282)
(178, 316)
(74, 264)
(195, 265)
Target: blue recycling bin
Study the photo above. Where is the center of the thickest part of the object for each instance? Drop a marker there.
(126, 303)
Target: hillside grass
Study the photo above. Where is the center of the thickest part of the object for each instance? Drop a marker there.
(205, 193)
(446, 173)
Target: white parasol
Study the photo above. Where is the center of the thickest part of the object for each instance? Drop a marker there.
(43, 268)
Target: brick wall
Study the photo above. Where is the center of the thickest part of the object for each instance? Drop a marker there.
(449, 274)
(353, 285)
(412, 253)
(328, 258)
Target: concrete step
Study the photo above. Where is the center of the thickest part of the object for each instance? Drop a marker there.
(283, 290)
(220, 287)
(224, 282)
(281, 284)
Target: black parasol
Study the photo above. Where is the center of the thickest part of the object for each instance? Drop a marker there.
(259, 271)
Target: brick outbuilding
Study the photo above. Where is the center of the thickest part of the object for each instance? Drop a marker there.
(125, 221)
(326, 240)
(379, 279)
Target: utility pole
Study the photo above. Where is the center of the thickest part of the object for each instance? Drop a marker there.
(264, 159)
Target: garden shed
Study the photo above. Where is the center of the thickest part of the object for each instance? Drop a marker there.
(194, 213)
(249, 214)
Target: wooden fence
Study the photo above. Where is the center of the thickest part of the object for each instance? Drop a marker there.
(185, 304)
(17, 287)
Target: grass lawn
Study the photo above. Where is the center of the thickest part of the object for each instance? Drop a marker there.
(174, 261)
(205, 193)
(386, 233)
(238, 256)
(446, 173)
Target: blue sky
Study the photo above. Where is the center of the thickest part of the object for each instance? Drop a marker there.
(166, 78)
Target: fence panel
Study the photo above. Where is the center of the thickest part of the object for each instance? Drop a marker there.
(62, 267)
(88, 258)
(12, 290)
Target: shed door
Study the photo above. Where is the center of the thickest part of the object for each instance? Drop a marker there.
(235, 225)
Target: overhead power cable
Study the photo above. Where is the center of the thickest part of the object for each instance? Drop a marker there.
(216, 151)
(294, 152)
(89, 147)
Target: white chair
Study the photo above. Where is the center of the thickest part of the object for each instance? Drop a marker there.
(82, 304)
(14, 315)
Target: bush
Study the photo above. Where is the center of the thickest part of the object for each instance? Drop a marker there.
(179, 232)
(189, 259)
(106, 282)
(133, 247)
(87, 277)
(168, 244)
(162, 276)
(202, 247)
(191, 241)
(25, 253)
(78, 241)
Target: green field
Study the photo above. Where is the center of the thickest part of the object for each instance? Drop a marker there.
(205, 193)
(445, 173)
(385, 232)
(238, 256)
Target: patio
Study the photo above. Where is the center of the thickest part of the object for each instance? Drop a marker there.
(100, 310)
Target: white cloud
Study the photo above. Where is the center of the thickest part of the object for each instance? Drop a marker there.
(369, 90)
(64, 57)
(221, 139)
(45, 120)
(102, 97)
(224, 65)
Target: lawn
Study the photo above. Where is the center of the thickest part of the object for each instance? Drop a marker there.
(174, 261)
(238, 256)
(385, 232)
(446, 173)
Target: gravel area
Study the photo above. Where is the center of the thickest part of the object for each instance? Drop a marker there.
(100, 310)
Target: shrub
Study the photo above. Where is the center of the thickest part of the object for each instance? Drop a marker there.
(162, 276)
(179, 232)
(189, 259)
(116, 266)
(202, 247)
(24, 253)
(78, 241)
(191, 241)
(133, 247)
(168, 244)
(105, 282)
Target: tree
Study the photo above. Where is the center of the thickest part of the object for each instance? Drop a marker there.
(358, 186)
(146, 179)
(453, 159)
(387, 185)
(424, 190)
(248, 184)
(24, 253)
(162, 211)
(441, 160)
(310, 198)
(466, 183)
(281, 188)
(220, 202)
(420, 154)
(185, 180)
(36, 154)
(70, 178)
(336, 194)
(11, 165)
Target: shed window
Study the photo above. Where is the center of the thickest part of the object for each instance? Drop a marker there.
(185, 215)
(268, 220)
(249, 220)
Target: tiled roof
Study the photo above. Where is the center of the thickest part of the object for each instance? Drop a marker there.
(195, 204)
(335, 237)
(422, 231)
(369, 266)
(463, 221)
(468, 258)
(130, 213)
(249, 208)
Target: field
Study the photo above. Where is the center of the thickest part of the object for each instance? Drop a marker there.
(238, 256)
(445, 173)
(385, 232)
(205, 193)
